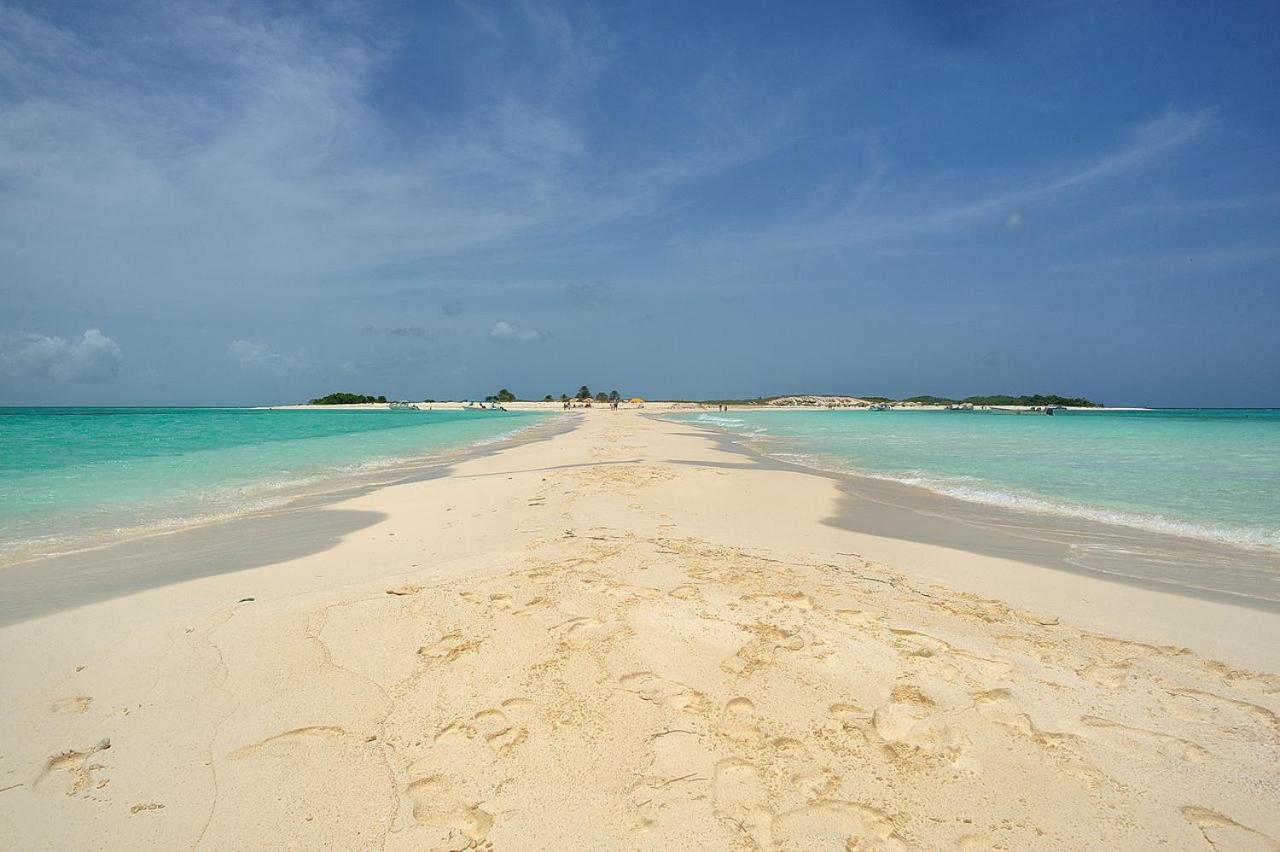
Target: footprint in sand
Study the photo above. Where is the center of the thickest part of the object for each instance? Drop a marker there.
(859, 618)
(738, 722)
(1250, 720)
(532, 605)
(78, 766)
(778, 603)
(813, 780)
(74, 704)
(910, 725)
(686, 592)
(1108, 675)
(1143, 744)
(740, 797)
(770, 639)
(1222, 832)
(458, 822)
(674, 781)
(503, 729)
(845, 712)
(449, 647)
(649, 687)
(497, 729)
(975, 668)
(833, 824)
(1000, 706)
(143, 807)
(494, 600)
(310, 733)
(582, 632)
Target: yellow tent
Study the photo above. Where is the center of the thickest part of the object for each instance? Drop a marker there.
(636, 399)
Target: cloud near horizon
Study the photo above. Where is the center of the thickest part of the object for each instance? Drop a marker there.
(89, 359)
(261, 357)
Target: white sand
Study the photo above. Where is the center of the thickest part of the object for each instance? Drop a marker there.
(623, 637)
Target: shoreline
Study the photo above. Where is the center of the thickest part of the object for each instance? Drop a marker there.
(675, 631)
(916, 513)
(327, 487)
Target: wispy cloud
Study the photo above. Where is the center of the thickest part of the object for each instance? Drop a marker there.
(1146, 142)
(257, 356)
(924, 207)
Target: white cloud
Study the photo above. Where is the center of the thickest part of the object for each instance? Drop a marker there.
(509, 333)
(1015, 221)
(91, 358)
(272, 163)
(259, 356)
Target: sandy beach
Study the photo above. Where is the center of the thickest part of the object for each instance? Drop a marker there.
(625, 635)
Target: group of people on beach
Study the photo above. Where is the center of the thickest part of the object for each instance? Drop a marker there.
(568, 403)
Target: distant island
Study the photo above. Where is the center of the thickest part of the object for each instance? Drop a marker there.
(1028, 400)
(1033, 399)
(347, 399)
(584, 394)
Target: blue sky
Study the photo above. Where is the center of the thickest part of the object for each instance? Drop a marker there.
(223, 203)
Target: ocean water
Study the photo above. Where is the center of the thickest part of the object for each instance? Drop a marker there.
(1210, 475)
(76, 477)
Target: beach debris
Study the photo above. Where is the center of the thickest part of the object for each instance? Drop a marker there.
(146, 806)
(246, 600)
(405, 590)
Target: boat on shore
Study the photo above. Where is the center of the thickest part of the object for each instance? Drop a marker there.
(1034, 409)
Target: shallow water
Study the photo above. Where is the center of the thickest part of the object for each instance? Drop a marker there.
(75, 477)
(1212, 475)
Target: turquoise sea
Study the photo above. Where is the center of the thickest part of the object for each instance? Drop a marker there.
(75, 477)
(1205, 474)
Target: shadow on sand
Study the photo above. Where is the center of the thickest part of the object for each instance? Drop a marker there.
(44, 586)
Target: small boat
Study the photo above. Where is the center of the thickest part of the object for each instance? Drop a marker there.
(880, 406)
(960, 406)
(403, 406)
(1035, 409)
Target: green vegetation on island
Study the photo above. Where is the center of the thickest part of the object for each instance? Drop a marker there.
(1038, 399)
(999, 399)
(1034, 399)
(347, 399)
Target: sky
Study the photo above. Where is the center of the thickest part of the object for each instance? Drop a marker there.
(222, 203)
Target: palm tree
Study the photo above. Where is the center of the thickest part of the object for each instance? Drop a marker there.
(584, 392)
